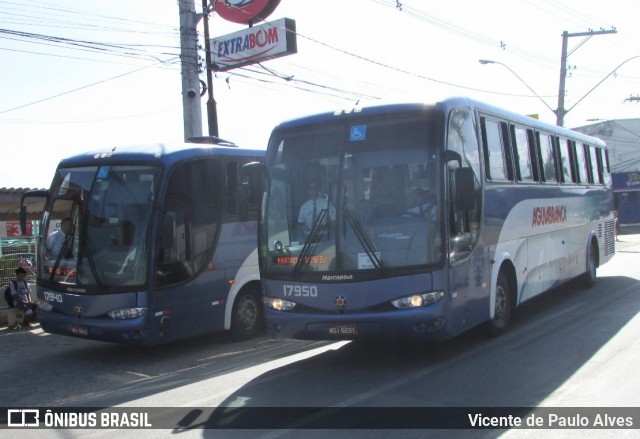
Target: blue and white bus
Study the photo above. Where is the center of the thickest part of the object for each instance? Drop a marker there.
(159, 248)
(435, 219)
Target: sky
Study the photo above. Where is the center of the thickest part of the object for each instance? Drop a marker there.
(80, 75)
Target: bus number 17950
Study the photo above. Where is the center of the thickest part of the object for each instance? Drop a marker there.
(300, 290)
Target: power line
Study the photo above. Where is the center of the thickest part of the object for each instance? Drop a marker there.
(165, 63)
(399, 70)
(119, 49)
(466, 33)
(75, 89)
(38, 6)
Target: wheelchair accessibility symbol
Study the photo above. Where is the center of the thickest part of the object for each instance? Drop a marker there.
(358, 133)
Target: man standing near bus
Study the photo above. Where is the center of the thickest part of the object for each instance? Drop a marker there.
(21, 293)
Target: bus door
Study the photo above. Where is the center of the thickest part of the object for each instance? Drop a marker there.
(468, 256)
(188, 228)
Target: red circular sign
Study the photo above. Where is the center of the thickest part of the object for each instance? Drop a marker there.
(245, 11)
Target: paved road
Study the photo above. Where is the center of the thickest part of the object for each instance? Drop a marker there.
(565, 350)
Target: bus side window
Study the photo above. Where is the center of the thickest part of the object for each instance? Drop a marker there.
(522, 154)
(173, 249)
(493, 140)
(243, 199)
(566, 161)
(232, 188)
(546, 157)
(191, 212)
(254, 196)
(597, 159)
(582, 172)
(607, 168)
(590, 163)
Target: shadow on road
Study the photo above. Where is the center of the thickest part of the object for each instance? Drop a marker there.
(552, 337)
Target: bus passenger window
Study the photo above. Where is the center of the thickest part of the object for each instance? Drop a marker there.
(494, 157)
(591, 165)
(232, 188)
(581, 164)
(522, 155)
(596, 160)
(190, 221)
(565, 161)
(545, 143)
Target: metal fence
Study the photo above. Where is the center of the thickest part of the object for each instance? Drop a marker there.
(16, 253)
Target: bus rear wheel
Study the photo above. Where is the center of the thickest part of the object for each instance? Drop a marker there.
(503, 306)
(247, 318)
(588, 279)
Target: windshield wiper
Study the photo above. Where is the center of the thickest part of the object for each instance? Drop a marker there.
(92, 264)
(366, 243)
(64, 252)
(314, 237)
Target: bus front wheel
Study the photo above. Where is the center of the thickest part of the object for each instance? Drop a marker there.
(503, 306)
(247, 317)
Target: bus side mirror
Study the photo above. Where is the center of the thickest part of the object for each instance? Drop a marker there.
(23, 219)
(452, 156)
(464, 183)
(251, 188)
(23, 206)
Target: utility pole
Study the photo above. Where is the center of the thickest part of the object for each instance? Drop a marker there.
(191, 110)
(560, 112)
(212, 112)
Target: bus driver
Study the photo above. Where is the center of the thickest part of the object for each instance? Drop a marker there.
(310, 211)
(56, 240)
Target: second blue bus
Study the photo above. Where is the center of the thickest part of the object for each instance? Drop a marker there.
(160, 245)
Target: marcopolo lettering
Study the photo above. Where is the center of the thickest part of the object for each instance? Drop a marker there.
(544, 215)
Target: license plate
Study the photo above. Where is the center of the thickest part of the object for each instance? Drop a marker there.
(342, 329)
(79, 330)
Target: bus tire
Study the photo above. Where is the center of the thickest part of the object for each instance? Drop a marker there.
(503, 307)
(588, 279)
(247, 318)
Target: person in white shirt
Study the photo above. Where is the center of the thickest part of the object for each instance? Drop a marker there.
(55, 241)
(311, 210)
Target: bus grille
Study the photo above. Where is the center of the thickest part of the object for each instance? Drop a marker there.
(608, 237)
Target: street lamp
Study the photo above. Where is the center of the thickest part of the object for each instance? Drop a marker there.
(560, 112)
(601, 81)
(488, 61)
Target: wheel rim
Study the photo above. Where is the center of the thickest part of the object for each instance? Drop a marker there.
(501, 310)
(247, 312)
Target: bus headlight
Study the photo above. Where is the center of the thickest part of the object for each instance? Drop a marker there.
(44, 305)
(278, 304)
(127, 313)
(417, 300)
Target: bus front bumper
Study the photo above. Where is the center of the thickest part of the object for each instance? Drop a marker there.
(104, 329)
(423, 323)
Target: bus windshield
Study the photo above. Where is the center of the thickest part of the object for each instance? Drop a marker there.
(99, 238)
(353, 197)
